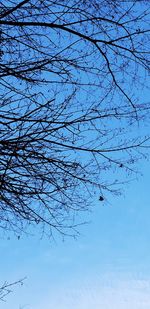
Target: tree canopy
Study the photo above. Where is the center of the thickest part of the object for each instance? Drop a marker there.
(73, 75)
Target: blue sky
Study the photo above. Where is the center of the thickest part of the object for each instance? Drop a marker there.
(106, 267)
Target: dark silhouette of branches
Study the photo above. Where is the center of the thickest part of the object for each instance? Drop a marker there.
(6, 288)
(72, 76)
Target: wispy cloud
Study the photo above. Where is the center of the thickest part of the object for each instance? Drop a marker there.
(107, 293)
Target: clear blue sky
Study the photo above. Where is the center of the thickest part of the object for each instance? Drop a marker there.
(107, 267)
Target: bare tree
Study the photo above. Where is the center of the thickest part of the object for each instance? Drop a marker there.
(6, 288)
(73, 74)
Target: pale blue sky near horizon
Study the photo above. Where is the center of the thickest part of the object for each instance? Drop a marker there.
(107, 267)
